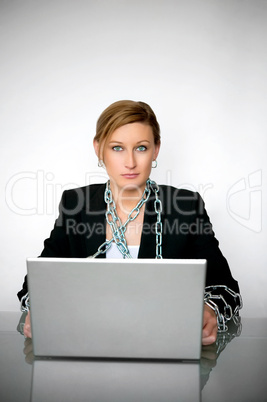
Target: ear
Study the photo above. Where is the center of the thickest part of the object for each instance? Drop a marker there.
(96, 146)
(156, 151)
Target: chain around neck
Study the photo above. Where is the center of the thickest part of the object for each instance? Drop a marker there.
(118, 229)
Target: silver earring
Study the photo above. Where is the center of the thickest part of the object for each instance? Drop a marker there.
(100, 163)
(155, 165)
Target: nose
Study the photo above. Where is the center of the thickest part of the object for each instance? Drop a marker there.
(130, 162)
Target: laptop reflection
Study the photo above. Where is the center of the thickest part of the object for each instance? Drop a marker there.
(120, 381)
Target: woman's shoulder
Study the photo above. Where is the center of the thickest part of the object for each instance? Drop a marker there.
(84, 195)
(180, 200)
(91, 188)
(181, 192)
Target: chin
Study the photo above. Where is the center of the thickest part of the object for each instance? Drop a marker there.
(134, 186)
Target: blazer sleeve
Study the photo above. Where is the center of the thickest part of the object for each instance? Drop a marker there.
(205, 245)
(221, 288)
(188, 234)
(59, 244)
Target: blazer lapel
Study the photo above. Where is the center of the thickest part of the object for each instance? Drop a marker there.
(148, 239)
(94, 218)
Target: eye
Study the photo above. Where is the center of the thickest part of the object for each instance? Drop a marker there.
(117, 148)
(141, 148)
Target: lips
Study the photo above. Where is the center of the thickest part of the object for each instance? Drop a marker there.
(130, 175)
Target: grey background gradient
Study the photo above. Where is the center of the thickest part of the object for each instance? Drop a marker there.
(201, 65)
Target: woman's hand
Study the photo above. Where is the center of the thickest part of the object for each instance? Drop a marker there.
(27, 326)
(210, 326)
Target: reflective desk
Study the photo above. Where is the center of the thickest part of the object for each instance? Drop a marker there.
(234, 369)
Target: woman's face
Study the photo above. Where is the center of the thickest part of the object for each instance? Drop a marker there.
(128, 156)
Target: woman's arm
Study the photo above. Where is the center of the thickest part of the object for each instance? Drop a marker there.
(222, 293)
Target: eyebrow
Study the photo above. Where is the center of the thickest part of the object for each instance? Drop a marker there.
(118, 142)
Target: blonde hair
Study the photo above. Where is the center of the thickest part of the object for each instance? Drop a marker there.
(125, 112)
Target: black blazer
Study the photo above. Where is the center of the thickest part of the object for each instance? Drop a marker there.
(187, 232)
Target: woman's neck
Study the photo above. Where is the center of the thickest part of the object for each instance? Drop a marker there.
(126, 198)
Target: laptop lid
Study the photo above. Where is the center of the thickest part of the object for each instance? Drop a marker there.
(134, 308)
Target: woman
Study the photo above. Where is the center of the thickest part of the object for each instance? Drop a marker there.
(131, 217)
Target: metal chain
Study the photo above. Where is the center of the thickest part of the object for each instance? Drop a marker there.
(223, 338)
(25, 303)
(118, 229)
(228, 312)
(158, 210)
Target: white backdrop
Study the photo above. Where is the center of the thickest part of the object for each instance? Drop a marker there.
(201, 65)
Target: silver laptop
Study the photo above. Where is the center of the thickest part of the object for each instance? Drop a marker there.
(108, 308)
